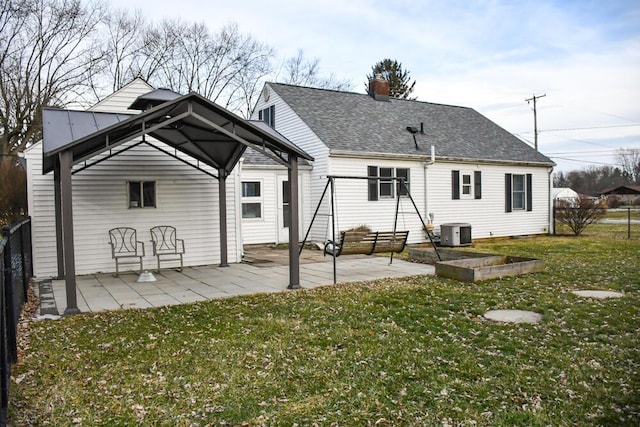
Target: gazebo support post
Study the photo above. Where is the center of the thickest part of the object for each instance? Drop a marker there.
(294, 234)
(66, 205)
(222, 203)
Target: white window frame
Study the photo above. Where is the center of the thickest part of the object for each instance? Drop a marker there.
(252, 199)
(466, 189)
(522, 194)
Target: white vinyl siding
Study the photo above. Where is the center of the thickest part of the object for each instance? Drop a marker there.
(487, 214)
(354, 208)
(265, 229)
(289, 124)
(120, 101)
(186, 199)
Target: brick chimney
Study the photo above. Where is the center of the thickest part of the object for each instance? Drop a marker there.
(379, 88)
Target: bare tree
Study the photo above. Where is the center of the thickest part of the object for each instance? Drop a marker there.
(561, 180)
(629, 160)
(223, 67)
(124, 45)
(48, 51)
(306, 72)
(13, 189)
(579, 213)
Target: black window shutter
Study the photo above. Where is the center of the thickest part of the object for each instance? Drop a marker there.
(507, 192)
(260, 115)
(529, 191)
(273, 116)
(455, 185)
(372, 172)
(477, 185)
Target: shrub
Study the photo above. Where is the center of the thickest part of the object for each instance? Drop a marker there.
(579, 213)
(364, 228)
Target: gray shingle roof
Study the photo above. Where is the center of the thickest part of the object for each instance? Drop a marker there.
(356, 122)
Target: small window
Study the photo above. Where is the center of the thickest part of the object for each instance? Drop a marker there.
(268, 115)
(386, 185)
(142, 194)
(251, 200)
(466, 184)
(403, 190)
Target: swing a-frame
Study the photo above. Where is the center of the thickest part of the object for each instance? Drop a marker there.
(365, 242)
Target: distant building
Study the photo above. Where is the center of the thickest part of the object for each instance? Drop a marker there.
(628, 194)
(564, 193)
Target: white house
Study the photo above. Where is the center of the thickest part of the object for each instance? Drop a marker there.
(480, 173)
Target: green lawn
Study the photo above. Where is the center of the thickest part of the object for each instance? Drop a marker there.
(408, 352)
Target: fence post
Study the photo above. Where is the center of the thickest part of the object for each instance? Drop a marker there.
(10, 309)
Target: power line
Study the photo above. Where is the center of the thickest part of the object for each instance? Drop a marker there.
(585, 128)
(584, 161)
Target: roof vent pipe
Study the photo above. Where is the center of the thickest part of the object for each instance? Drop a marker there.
(422, 128)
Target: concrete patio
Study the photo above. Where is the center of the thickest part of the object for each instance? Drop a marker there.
(264, 272)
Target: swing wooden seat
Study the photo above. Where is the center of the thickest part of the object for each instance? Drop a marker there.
(367, 242)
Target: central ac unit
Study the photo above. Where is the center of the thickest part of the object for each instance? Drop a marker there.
(455, 234)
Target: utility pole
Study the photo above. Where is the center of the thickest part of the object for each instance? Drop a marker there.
(535, 118)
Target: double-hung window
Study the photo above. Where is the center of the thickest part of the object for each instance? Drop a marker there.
(518, 192)
(383, 183)
(142, 194)
(386, 183)
(251, 199)
(466, 184)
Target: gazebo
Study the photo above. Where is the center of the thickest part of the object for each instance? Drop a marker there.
(190, 124)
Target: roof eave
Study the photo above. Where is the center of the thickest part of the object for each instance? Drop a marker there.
(427, 157)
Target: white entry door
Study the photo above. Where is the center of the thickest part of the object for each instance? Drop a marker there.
(284, 198)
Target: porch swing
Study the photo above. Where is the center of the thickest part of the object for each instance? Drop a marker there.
(359, 241)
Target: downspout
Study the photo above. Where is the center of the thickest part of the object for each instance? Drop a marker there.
(426, 189)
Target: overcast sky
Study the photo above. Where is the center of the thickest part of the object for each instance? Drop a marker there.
(487, 55)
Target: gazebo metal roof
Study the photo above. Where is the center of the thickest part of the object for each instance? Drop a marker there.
(191, 124)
